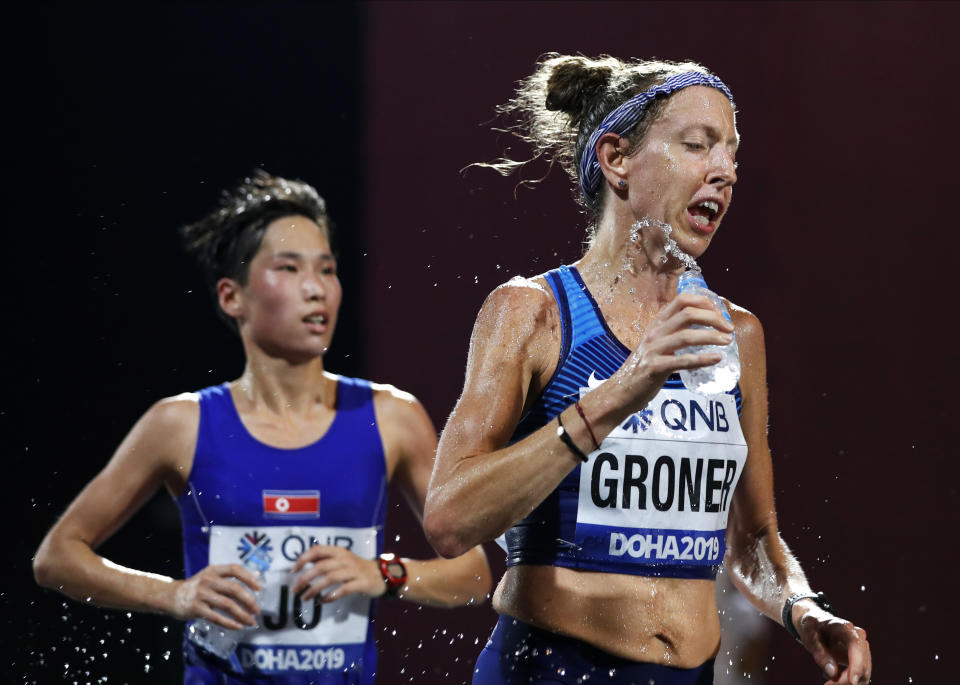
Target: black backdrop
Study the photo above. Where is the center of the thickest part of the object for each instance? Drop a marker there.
(127, 122)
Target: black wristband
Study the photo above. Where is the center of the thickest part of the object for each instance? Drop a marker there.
(819, 599)
(568, 441)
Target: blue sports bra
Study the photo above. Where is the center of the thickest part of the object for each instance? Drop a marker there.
(654, 499)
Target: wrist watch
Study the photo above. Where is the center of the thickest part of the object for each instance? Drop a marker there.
(818, 598)
(394, 573)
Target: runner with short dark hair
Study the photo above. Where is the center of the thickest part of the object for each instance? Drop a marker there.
(280, 475)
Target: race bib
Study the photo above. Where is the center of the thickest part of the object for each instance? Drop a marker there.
(658, 491)
(292, 635)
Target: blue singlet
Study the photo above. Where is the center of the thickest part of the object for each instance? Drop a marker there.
(247, 500)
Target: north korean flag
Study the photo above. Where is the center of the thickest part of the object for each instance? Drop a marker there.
(283, 503)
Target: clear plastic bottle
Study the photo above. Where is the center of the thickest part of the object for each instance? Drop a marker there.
(723, 375)
(223, 641)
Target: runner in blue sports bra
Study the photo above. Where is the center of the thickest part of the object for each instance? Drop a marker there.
(282, 471)
(620, 491)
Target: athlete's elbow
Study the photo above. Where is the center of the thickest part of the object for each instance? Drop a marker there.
(445, 541)
(443, 534)
(45, 568)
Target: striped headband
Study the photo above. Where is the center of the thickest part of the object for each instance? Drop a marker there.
(626, 116)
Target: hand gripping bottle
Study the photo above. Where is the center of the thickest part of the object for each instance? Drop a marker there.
(723, 375)
(223, 641)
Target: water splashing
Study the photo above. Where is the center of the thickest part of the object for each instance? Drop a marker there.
(670, 245)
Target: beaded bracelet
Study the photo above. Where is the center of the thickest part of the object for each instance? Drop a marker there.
(596, 445)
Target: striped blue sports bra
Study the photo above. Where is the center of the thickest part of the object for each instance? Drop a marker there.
(653, 499)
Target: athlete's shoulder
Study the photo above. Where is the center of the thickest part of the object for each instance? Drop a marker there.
(393, 403)
(749, 334)
(748, 326)
(520, 307)
(379, 391)
(524, 291)
(405, 427)
(166, 434)
(175, 412)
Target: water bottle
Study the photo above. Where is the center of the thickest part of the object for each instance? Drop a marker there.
(723, 375)
(223, 641)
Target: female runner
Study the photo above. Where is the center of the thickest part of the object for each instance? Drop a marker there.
(621, 491)
(280, 475)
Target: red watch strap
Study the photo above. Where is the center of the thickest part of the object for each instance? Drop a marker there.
(393, 583)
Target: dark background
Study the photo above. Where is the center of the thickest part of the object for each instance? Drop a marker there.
(125, 123)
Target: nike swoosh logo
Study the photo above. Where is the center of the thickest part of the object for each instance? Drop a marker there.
(592, 381)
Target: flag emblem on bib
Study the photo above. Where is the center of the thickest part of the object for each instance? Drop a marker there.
(284, 503)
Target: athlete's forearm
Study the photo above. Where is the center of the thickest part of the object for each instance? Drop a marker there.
(765, 570)
(474, 499)
(448, 582)
(73, 568)
(477, 497)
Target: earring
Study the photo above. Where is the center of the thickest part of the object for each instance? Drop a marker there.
(621, 184)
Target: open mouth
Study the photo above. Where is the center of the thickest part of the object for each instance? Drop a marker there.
(316, 319)
(704, 214)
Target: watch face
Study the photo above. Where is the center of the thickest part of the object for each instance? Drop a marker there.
(395, 569)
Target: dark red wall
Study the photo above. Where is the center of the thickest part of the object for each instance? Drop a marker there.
(841, 240)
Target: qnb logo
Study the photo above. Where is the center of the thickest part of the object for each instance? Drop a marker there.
(255, 550)
(639, 420)
(296, 544)
(680, 416)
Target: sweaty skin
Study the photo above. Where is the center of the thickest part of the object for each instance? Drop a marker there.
(664, 620)
(481, 486)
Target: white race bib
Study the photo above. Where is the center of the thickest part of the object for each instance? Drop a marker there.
(658, 491)
(284, 620)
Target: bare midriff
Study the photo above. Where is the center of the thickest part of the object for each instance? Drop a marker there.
(671, 621)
